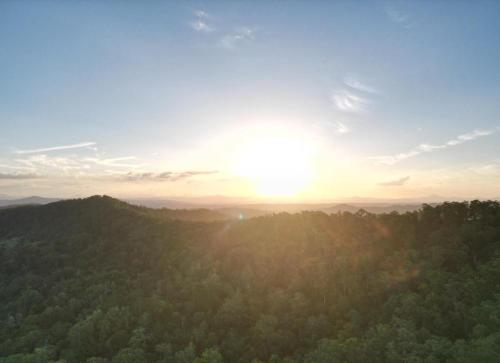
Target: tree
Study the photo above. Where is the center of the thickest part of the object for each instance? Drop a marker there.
(187, 355)
(130, 355)
(210, 355)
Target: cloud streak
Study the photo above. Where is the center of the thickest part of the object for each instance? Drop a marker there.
(14, 167)
(18, 176)
(230, 41)
(359, 86)
(35, 162)
(399, 17)
(201, 23)
(395, 183)
(56, 148)
(71, 164)
(426, 148)
(341, 128)
(115, 162)
(348, 101)
(353, 97)
(167, 176)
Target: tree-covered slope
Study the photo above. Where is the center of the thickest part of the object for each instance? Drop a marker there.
(98, 280)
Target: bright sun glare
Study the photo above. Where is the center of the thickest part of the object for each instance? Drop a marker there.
(277, 166)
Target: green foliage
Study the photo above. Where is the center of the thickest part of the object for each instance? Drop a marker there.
(96, 360)
(210, 355)
(130, 355)
(186, 355)
(97, 280)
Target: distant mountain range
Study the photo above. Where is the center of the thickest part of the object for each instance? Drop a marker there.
(26, 201)
(241, 208)
(220, 207)
(229, 208)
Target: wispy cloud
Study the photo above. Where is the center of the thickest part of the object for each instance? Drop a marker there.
(342, 128)
(116, 162)
(332, 126)
(165, 176)
(202, 22)
(73, 164)
(395, 182)
(486, 169)
(354, 96)
(239, 35)
(56, 148)
(14, 167)
(82, 160)
(16, 176)
(399, 17)
(425, 148)
(357, 85)
(58, 163)
(348, 101)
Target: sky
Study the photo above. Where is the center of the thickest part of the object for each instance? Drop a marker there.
(298, 100)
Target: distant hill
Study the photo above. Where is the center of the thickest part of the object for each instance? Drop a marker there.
(210, 202)
(224, 211)
(161, 203)
(230, 207)
(245, 210)
(255, 210)
(373, 208)
(28, 200)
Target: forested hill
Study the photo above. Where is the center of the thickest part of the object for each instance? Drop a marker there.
(98, 280)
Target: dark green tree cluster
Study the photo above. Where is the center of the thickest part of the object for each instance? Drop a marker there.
(100, 281)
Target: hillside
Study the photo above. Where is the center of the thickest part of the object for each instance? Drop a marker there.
(26, 201)
(219, 208)
(98, 280)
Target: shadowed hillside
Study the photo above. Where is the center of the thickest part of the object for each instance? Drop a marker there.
(99, 280)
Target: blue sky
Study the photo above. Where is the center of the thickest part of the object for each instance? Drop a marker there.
(399, 99)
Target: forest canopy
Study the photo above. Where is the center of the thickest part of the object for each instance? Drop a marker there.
(97, 280)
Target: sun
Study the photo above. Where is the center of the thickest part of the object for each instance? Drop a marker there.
(276, 165)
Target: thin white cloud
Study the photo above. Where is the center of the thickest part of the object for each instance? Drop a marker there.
(425, 148)
(359, 86)
(56, 148)
(486, 169)
(14, 167)
(72, 165)
(116, 162)
(332, 126)
(38, 161)
(342, 128)
(399, 17)
(395, 183)
(202, 22)
(354, 96)
(17, 176)
(202, 14)
(348, 101)
(241, 34)
(165, 176)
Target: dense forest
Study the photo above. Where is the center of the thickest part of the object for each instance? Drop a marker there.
(97, 280)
